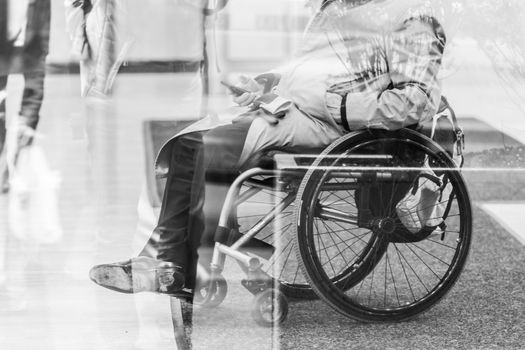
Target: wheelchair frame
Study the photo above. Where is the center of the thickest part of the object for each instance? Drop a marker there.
(270, 304)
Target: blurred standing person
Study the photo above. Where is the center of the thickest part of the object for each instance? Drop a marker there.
(24, 45)
(98, 41)
(100, 45)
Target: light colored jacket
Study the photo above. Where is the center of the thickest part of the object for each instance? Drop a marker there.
(382, 57)
(379, 61)
(97, 40)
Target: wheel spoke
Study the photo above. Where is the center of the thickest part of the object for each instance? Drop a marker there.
(432, 255)
(282, 264)
(404, 271)
(365, 263)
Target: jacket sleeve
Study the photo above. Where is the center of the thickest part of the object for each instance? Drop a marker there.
(413, 54)
(75, 11)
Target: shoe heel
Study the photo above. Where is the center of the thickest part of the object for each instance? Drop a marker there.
(169, 278)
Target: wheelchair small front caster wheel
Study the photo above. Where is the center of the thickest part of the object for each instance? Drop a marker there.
(270, 308)
(212, 293)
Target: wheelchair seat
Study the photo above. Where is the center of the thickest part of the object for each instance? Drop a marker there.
(280, 159)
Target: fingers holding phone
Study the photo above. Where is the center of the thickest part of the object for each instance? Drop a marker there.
(245, 99)
(245, 92)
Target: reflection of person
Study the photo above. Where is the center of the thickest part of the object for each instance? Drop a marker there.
(362, 64)
(97, 42)
(24, 44)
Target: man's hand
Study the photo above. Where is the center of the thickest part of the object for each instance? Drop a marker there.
(251, 85)
(24, 135)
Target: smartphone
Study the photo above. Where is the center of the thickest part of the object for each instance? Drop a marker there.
(237, 91)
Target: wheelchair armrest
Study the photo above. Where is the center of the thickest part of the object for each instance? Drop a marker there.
(294, 160)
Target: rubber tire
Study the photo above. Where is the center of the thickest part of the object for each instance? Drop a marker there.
(267, 301)
(323, 288)
(221, 290)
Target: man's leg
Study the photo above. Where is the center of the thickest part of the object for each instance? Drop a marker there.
(3, 134)
(32, 99)
(177, 237)
(222, 148)
(3, 95)
(182, 199)
(162, 264)
(196, 159)
(179, 233)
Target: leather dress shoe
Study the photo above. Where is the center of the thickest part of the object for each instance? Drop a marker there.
(140, 274)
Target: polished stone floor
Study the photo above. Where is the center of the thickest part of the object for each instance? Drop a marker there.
(97, 148)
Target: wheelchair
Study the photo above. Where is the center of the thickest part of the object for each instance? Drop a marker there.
(328, 225)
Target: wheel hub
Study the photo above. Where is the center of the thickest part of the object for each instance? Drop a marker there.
(386, 225)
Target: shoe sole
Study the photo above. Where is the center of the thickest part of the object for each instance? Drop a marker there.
(114, 278)
(119, 279)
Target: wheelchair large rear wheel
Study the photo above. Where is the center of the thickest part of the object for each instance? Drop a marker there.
(355, 249)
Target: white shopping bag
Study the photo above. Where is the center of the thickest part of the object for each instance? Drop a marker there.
(33, 198)
(426, 202)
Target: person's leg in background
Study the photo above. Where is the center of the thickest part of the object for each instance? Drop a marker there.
(3, 98)
(3, 173)
(36, 49)
(12, 290)
(3, 134)
(32, 99)
(27, 119)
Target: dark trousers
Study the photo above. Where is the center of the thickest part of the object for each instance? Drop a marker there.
(3, 117)
(32, 98)
(195, 157)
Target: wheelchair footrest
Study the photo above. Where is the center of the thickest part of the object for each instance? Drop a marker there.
(257, 282)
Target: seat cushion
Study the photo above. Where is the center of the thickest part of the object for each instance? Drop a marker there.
(278, 159)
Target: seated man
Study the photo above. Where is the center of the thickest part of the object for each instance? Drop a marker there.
(362, 64)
